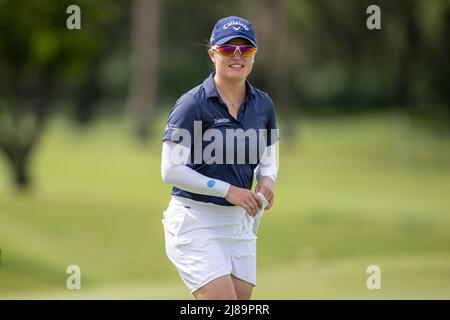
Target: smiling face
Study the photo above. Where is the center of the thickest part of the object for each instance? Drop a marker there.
(236, 68)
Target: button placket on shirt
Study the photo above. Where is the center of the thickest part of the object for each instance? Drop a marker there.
(237, 121)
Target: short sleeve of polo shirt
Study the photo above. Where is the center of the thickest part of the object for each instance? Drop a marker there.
(272, 129)
(181, 120)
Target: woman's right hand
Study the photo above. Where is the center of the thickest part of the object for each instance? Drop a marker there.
(246, 199)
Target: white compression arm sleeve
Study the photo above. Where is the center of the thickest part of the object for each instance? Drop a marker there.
(175, 172)
(268, 164)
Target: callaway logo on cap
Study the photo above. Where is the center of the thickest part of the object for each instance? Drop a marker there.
(232, 27)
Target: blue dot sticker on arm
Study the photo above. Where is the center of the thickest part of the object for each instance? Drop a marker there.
(211, 183)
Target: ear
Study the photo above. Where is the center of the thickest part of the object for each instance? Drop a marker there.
(211, 55)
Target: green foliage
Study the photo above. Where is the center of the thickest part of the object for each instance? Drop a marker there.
(330, 57)
(35, 36)
(337, 61)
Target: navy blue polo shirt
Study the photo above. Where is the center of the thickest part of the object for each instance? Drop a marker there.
(203, 105)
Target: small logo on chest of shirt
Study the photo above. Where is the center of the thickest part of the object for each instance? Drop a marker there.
(224, 120)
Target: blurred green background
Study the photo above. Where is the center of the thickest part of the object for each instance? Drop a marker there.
(364, 158)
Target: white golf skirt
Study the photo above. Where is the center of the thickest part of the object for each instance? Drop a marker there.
(206, 241)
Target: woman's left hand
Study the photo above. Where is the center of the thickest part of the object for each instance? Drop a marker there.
(265, 186)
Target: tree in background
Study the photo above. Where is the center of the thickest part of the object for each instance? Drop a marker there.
(271, 21)
(144, 64)
(37, 53)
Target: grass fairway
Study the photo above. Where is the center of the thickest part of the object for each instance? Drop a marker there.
(351, 192)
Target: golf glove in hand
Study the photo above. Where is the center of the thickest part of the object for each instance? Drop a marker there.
(251, 224)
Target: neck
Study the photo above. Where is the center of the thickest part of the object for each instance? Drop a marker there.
(231, 89)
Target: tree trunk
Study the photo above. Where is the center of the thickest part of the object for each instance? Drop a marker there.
(17, 157)
(31, 113)
(89, 93)
(270, 21)
(409, 56)
(144, 55)
(21, 176)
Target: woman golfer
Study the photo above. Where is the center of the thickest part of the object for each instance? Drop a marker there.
(218, 136)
